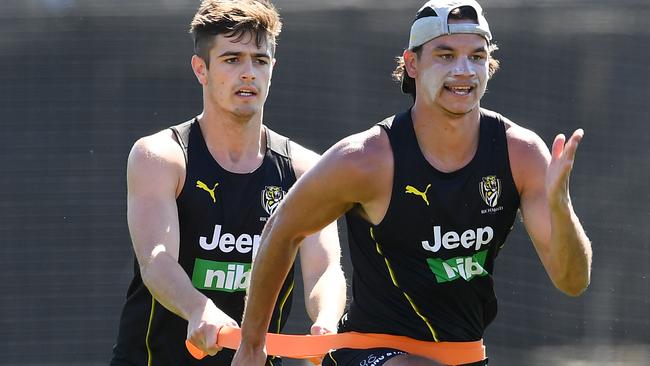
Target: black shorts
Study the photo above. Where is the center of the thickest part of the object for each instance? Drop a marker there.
(369, 357)
(360, 357)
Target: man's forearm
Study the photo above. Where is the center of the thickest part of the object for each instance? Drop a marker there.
(171, 287)
(326, 300)
(571, 251)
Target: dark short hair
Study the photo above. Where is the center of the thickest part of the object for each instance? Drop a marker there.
(235, 19)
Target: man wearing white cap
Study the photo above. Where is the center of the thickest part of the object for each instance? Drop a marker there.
(430, 196)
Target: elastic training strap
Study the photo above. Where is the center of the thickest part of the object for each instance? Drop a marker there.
(312, 346)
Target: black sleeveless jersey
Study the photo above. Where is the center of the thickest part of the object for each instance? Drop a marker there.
(426, 270)
(221, 216)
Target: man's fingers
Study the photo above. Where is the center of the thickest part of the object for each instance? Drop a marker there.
(213, 350)
(566, 149)
(558, 147)
(205, 338)
(210, 334)
(572, 144)
(199, 342)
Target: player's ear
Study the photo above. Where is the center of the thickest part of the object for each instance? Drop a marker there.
(200, 69)
(410, 63)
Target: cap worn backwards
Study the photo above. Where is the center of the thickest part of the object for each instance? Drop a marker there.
(435, 24)
(432, 22)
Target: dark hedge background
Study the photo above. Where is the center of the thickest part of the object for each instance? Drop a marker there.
(80, 81)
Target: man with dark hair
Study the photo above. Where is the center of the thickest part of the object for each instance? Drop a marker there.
(199, 194)
(430, 196)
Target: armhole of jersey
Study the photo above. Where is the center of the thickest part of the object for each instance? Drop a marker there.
(388, 125)
(182, 134)
(280, 145)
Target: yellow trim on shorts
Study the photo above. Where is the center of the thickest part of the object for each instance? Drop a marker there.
(396, 284)
(282, 303)
(146, 339)
(332, 358)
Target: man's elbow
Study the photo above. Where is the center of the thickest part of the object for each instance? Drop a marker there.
(146, 274)
(573, 285)
(148, 263)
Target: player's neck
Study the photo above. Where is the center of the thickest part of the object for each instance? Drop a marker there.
(448, 141)
(238, 145)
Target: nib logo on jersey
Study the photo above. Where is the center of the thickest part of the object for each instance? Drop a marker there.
(221, 276)
(459, 267)
(224, 276)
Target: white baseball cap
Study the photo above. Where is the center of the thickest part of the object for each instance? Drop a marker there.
(431, 21)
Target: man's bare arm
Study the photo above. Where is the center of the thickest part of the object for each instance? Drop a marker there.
(548, 214)
(340, 180)
(153, 172)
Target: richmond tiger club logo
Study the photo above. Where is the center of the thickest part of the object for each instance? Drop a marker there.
(271, 198)
(490, 189)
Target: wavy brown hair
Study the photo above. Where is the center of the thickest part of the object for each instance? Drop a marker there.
(234, 19)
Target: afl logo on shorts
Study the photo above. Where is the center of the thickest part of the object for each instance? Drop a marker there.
(490, 189)
(271, 198)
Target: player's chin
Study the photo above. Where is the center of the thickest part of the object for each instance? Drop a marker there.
(246, 111)
(459, 111)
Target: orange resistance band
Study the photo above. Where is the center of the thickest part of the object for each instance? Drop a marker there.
(314, 346)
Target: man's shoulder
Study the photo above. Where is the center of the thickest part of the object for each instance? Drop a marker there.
(364, 148)
(363, 152)
(159, 141)
(527, 152)
(521, 137)
(159, 148)
(155, 158)
(302, 158)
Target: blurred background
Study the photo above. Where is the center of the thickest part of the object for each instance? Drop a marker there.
(81, 80)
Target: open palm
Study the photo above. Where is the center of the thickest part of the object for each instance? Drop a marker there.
(559, 170)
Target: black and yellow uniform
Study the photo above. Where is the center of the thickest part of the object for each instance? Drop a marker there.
(426, 270)
(221, 216)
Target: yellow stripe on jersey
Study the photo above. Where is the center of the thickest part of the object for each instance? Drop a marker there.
(394, 279)
(282, 303)
(146, 339)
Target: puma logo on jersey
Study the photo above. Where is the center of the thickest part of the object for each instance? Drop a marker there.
(451, 240)
(412, 190)
(205, 187)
